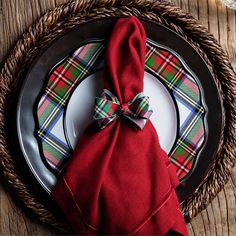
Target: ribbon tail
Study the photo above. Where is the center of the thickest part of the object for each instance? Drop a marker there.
(138, 122)
(104, 122)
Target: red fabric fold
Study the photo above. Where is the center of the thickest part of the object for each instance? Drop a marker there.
(119, 179)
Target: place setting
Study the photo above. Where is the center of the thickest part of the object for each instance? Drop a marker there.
(114, 113)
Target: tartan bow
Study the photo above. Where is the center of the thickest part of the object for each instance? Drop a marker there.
(108, 109)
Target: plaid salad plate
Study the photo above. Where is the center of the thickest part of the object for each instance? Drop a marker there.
(162, 62)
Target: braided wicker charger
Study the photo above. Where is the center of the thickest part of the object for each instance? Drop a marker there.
(55, 23)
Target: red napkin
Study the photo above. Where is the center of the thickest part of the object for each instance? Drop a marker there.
(119, 179)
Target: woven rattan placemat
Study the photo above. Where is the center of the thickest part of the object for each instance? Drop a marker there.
(70, 15)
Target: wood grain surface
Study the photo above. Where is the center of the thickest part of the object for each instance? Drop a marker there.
(220, 216)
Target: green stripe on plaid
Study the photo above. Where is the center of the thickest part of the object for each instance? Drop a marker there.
(165, 64)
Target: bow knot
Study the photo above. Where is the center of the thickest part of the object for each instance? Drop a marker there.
(108, 108)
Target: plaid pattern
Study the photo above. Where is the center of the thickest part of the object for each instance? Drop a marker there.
(62, 81)
(160, 61)
(108, 108)
(177, 77)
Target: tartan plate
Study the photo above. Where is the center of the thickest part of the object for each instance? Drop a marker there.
(162, 62)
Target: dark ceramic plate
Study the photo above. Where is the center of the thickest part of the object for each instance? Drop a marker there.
(98, 31)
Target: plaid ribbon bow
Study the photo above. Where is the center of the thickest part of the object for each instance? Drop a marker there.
(108, 109)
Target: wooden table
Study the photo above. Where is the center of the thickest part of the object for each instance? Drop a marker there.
(220, 216)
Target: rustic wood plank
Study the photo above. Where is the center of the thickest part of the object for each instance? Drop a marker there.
(15, 17)
(223, 25)
(193, 8)
(203, 12)
(231, 40)
(219, 217)
(14, 220)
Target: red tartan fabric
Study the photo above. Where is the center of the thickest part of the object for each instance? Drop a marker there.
(119, 180)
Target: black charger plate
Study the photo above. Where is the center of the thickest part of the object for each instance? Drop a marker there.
(100, 29)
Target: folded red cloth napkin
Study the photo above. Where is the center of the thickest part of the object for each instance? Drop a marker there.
(119, 180)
